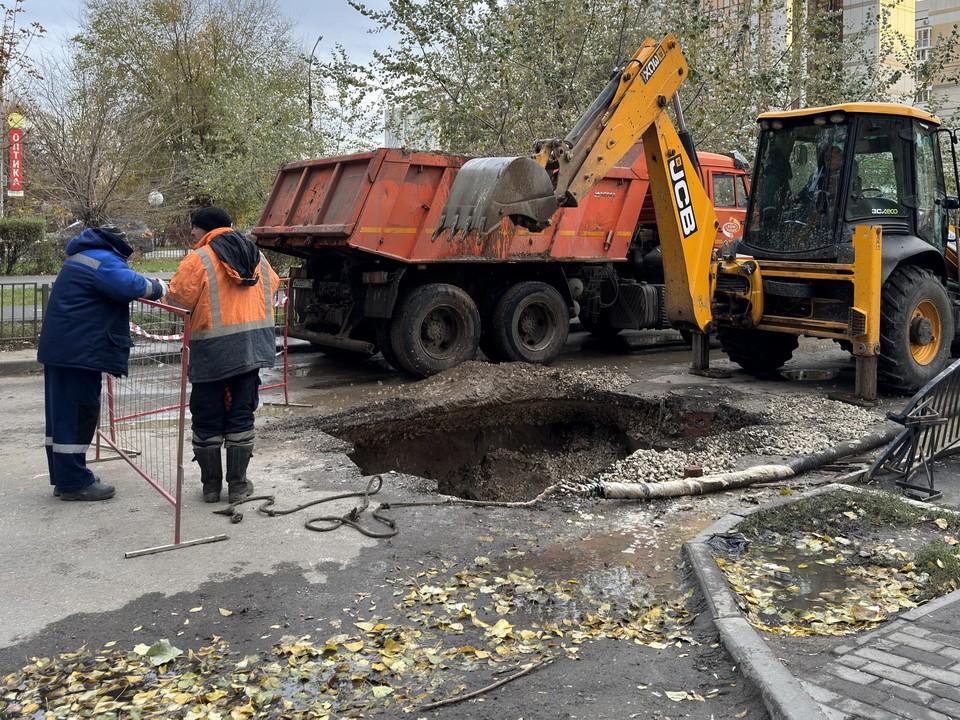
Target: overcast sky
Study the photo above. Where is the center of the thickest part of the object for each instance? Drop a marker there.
(335, 20)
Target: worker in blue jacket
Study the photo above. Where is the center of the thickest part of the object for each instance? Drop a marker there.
(86, 332)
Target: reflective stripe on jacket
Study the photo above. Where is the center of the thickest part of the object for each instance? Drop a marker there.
(232, 323)
(86, 324)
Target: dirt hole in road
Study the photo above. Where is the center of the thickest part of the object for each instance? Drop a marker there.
(509, 452)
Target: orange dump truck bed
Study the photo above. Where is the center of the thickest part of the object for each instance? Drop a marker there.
(388, 202)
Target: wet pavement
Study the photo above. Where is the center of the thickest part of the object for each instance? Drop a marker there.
(906, 668)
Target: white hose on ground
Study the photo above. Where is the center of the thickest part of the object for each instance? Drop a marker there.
(740, 478)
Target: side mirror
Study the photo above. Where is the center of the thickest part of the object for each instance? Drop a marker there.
(951, 202)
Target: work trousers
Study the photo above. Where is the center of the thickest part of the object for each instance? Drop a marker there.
(224, 407)
(71, 413)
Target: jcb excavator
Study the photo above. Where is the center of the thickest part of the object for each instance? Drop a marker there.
(846, 233)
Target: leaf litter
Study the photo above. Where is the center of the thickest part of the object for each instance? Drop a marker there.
(839, 564)
(458, 621)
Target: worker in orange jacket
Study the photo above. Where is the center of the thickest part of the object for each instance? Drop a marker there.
(229, 287)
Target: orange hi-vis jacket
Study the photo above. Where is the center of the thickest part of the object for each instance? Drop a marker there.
(232, 323)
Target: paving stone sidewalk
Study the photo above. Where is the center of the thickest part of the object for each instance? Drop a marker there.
(909, 668)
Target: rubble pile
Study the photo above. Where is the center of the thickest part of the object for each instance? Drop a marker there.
(789, 427)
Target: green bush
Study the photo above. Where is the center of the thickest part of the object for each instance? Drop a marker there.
(18, 236)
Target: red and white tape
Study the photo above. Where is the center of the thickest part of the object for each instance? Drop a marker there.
(137, 330)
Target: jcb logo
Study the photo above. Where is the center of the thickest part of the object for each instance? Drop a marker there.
(681, 193)
(651, 67)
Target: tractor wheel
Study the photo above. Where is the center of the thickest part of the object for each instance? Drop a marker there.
(436, 328)
(531, 323)
(757, 351)
(916, 330)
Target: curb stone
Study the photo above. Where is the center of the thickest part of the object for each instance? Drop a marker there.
(787, 697)
(13, 363)
(783, 695)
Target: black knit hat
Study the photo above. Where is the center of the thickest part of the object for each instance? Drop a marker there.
(211, 218)
(114, 230)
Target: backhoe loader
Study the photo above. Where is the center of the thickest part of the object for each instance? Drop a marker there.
(845, 238)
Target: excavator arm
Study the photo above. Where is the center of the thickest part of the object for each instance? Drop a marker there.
(628, 105)
(531, 190)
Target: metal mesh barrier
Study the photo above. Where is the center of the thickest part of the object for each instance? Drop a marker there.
(143, 415)
(931, 423)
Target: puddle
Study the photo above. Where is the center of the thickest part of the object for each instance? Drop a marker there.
(637, 565)
(803, 582)
(819, 585)
(514, 451)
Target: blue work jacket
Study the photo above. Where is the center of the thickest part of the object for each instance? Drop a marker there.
(86, 324)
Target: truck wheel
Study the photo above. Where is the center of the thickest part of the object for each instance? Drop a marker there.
(916, 330)
(600, 326)
(531, 323)
(437, 327)
(385, 345)
(757, 351)
(339, 353)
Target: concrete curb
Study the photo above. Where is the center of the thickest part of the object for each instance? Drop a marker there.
(783, 695)
(19, 366)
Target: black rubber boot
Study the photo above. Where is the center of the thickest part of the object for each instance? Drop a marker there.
(211, 471)
(238, 458)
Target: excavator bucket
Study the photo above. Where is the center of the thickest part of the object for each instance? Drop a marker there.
(486, 190)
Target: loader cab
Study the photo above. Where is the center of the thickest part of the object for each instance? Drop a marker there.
(821, 172)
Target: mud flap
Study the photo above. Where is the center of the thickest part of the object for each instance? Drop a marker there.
(486, 190)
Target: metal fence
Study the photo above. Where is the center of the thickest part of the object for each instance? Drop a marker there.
(142, 418)
(21, 310)
(22, 305)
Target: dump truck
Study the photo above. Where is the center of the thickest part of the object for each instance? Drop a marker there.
(375, 277)
(846, 234)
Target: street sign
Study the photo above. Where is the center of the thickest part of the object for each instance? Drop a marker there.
(15, 186)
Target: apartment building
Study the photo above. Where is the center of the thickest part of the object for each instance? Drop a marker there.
(935, 20)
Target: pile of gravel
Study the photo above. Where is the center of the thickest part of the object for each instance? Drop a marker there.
(788, 427)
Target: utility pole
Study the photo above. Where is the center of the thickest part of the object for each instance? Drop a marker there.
(310, 82)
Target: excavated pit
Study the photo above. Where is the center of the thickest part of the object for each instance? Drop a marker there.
(509, 452)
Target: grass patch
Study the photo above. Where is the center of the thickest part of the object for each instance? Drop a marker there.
(842, 561)
(940, 560)
(841, 512)
(25, 294)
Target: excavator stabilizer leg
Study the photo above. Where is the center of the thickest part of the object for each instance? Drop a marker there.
(486, 190)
